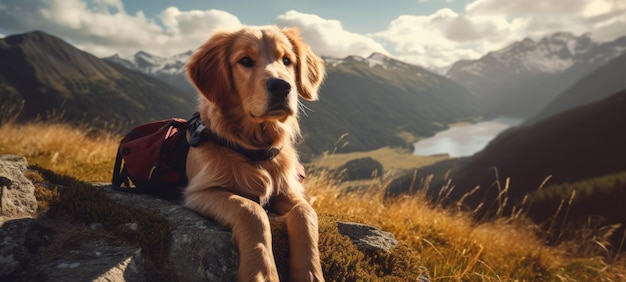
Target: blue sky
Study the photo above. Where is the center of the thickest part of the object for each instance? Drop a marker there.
(431, 33)
(364, 16)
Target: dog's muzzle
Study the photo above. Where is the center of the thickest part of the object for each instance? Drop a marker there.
(277, 87)
(278, 103)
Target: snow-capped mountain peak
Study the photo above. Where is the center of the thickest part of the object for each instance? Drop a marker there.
(550, 54)
(145, 60)
(152, 64)
(119, 60)
(376, 60)
(524, 76)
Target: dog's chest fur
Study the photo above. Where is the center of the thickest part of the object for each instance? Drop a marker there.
(233, 172)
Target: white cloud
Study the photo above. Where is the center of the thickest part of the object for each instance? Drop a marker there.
(539, 18)
(196, 22)
(435, 39)
(105, 28)
(486, 25)
(327, 37)
(525, 7)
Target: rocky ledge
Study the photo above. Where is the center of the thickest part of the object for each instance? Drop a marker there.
(33, 248)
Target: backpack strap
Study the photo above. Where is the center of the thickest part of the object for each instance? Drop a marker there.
(120, 174)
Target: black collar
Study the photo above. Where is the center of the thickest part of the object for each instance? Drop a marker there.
(198, 133)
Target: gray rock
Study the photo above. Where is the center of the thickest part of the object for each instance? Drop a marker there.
(16, 160)
(20, 239)
(13, 252)
(96, 260)
(17, 196)
(200, 249)
(367, 237)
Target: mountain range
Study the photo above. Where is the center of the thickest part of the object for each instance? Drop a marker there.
(169, 69)
(377, 101)
(524, 77)
(373, 100)
(578, 136)
(53, 79)
(516, 81)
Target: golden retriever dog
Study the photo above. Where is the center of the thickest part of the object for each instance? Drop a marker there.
(249, 81)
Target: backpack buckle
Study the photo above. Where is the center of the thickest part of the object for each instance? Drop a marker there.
(196, 136)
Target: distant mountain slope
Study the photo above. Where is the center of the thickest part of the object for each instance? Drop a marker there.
(524, 77)
(581, 143)
(374, 100)
(50, 76)
(170, 70)
(606, 80)
(377, 98)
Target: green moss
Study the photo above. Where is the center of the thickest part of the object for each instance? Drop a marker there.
(45, 193)
(342, 261)
(584, 269)
(87, 203)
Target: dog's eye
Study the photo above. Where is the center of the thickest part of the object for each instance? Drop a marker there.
(247, 62)
(286, 61)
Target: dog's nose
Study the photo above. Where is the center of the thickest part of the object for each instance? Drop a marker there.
(278, 87)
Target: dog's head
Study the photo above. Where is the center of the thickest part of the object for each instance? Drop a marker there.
(258, 71)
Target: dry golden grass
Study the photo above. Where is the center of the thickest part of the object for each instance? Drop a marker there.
(392, 159)
(455, 247)
(77, 152)
(452, 245)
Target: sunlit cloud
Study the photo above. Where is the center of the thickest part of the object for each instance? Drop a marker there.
(445, 36)
(104, 27)
(328, 37)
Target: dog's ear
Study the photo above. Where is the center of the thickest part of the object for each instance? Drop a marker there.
(208, 68)
(310, 70)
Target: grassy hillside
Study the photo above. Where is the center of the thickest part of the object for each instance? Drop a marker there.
(601, 83)
(42, 76)
(449, 243)
(595, 202)
(581, 143)
(575, 158)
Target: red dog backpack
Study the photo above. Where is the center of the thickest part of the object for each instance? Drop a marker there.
(152, 156)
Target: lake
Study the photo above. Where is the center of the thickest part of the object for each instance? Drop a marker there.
(461, 141)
